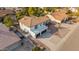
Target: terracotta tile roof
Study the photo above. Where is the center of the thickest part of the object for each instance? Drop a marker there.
(76, 20)
(64, 10)
(32, 21)
(5, 12)
(59, 15)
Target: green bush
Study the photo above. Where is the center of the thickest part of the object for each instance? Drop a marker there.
(8, 21)
(37, 49)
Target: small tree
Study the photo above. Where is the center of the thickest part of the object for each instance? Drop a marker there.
(31, 11)
(8, 21)
(19, 15)
(25, 11)
(37, 49)
(35, 11)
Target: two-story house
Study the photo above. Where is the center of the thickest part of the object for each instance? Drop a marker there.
(34, 25)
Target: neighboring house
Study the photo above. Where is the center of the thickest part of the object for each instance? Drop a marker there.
(8, 40)
(2, 8)
(34, 25)
(5, 12)
(18, 9)
(76, 20)
(11, 8)
(58, 16)
(73, 9)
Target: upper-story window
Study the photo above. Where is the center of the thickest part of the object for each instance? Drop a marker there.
(36, 26)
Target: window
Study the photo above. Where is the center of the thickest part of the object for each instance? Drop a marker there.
(36, 26)
(37, 35)
(43, 31)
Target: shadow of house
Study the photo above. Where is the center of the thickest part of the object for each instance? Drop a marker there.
(50, 31)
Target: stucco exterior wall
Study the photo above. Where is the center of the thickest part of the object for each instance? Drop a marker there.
(27, 29)
(53, 19)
